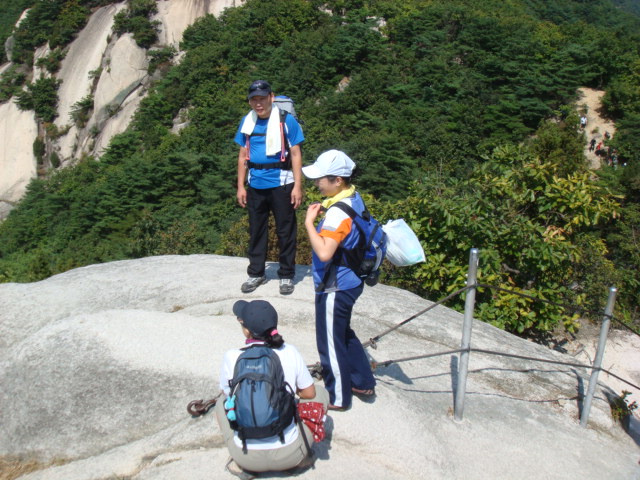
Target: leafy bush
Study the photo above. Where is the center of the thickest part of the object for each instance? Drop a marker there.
(53, 21)
(160, 57)
(41, 97)
(525, 218)
(80, 111)
(135, 19)
(52, 61)
(11, 81)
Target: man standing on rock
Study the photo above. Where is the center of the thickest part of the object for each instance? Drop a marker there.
(270, 162)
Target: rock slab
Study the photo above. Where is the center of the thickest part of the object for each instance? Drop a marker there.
(98, 364)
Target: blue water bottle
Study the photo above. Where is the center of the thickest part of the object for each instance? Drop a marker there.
(230, 407)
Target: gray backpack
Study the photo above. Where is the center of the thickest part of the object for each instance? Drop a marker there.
(264, 403)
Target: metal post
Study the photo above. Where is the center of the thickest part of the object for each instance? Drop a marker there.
(597, 362)
(465, 344)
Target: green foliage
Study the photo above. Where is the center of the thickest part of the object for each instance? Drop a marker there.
(39, 150)
(559, 143)
(41, 97)
(458, 114)
(80, 111)
(53, 21)
(52, 61)
(622, 102)
(11, 81)
(160, 57)
(135, 19)
(620, 238)
(524, 217)
(55, 160)
(621, 408)
(11, 11)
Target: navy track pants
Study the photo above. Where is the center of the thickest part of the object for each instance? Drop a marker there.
(344, 362)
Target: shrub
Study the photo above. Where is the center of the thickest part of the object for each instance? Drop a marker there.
(41, 97)
(80, 111)
(52, 61)
(135, 20)
(11, 81)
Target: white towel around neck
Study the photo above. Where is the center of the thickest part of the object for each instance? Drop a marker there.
(273, 141)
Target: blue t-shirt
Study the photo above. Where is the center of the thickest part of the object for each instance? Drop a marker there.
(337, 225)
(273, 177)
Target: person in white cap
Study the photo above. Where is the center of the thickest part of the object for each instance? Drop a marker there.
(345, 367)
(269, 162)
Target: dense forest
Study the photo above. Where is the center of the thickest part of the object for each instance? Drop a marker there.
(461, 116)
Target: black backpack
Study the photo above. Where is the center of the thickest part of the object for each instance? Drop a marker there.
(263, 402)
(367, 256)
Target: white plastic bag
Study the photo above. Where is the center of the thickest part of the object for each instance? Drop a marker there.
(403, 247)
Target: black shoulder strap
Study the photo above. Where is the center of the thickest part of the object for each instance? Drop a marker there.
(348, 209)
(283, 121)
(338, 257)
(283, 114)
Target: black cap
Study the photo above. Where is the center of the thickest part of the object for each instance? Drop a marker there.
(257, 316)
(259, 87)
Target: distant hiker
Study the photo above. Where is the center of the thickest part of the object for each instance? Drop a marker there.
(599, 150)
(583, 121)
(258, 381)
(270, 160)
(592, 145)
(345, 367)
(607, 136)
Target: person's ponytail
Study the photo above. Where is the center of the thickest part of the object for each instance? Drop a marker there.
(273, 339)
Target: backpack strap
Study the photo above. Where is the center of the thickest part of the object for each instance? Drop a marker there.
(284, 143)
(338, 257)
(304, 435)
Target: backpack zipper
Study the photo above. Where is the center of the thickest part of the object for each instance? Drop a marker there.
(253, 410)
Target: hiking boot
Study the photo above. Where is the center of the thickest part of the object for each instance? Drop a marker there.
(234, 469)
(307, 462)
(252, 283)
(286, 286)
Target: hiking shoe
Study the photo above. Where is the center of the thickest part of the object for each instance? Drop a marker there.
(252, 283)
(234, 469)
(337, 408)
(370, 392)
(315, 370)
(286, 286)
(306, 462)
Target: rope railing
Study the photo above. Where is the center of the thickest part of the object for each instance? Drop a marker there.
(466, 348)
(572, 308)
(372, 342)
(386, 363)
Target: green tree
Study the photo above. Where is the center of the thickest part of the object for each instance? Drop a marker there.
(524, 217)
(41, 97)
(135, 19)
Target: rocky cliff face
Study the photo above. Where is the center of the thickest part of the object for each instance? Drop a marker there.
(112, 71)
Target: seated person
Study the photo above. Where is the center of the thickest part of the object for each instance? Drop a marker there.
(259, 320)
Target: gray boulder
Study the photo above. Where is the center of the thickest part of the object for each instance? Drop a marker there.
(98, 364)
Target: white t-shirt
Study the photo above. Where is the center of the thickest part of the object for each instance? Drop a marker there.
(296, 374)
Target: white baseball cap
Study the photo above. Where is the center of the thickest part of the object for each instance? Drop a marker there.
(331, 162)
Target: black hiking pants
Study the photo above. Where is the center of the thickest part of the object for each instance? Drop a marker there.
(260, 202)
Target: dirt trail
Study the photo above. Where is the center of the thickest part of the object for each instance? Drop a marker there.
(591, 100)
